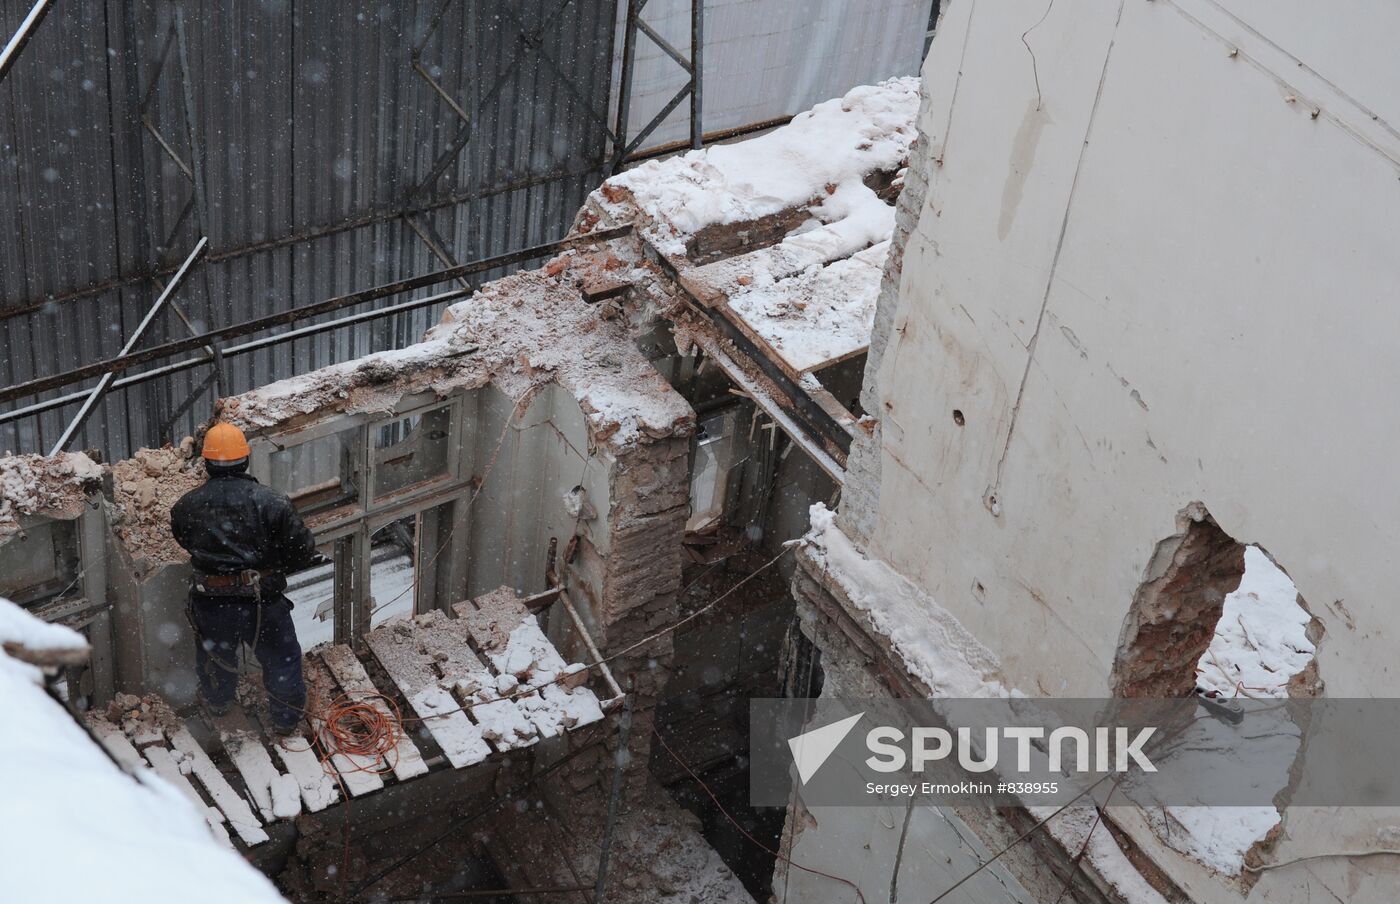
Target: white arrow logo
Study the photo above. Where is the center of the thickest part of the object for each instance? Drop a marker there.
(811, 749)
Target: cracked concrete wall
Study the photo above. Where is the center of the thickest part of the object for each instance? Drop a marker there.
(1153, 266)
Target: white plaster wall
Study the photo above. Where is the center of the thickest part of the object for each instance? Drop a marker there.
(1169, 276)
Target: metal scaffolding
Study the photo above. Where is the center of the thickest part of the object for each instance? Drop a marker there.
(693, 88)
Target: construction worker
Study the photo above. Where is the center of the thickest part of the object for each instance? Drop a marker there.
(243, 538)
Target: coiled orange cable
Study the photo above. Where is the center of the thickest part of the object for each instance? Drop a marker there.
(368, 727)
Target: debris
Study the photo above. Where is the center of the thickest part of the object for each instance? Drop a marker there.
(144, 489)
(36, 485)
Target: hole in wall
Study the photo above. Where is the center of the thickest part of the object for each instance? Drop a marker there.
(1217, 617)
(958, 417)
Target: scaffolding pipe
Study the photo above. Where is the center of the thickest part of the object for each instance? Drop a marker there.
(624, 96)
(232, 350)
(105, 383)
(697, 44)
(15, 46)
(593, 651)
(125, 361)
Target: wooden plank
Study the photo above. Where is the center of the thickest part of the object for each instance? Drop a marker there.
(242, 742)
(317, 786)
(407, 651)
(350, 674)
(165, 766)
(502, 722)
(235, 808)
(510, 636)
(357, 774)
(116, 743)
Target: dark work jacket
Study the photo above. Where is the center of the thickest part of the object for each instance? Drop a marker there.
(233, 523)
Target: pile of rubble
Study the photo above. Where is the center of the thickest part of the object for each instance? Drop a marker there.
(36, 485)
(144, 488)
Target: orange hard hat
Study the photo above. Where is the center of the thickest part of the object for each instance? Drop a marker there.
(225, 443)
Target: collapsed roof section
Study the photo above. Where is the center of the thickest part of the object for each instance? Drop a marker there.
(786, 233)
(517, 332)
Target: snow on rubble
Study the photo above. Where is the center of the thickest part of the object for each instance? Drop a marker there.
(820, 316)
(41, 485)
(835, 143)
(788, 230)
(1261, 640)
(134, 839)
(518, 332)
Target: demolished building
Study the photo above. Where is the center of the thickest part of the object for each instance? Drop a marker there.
(521, 511)
(830, 411)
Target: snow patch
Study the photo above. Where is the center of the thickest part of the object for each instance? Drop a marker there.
(20, 629)
(933, 644)
(1261, 640)
(871, 128)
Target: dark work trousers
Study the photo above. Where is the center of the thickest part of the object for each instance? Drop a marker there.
(223, 624)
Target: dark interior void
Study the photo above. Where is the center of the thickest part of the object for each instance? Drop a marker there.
(403, 841)
(748, 646)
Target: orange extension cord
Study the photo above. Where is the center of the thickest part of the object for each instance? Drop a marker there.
(369, 728)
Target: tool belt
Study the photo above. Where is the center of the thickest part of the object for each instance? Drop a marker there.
(246, 583)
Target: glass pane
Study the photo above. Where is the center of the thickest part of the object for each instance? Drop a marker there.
(317, 474)
(412, 450)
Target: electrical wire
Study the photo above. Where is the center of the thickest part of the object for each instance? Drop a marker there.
(1263, 868)
(368, 728)
(745, 832)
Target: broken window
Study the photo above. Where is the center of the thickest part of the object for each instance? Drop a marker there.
(317, 472)
(719, 452)
(412, 450)
(312, 593)
(393, 553)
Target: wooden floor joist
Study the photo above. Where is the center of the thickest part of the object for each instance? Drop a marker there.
(359, 775)
(421, 657)
(240, 816)
(482, 683)
(268, 785)
(163, 762)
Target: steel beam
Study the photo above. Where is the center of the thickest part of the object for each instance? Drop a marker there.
(697, 73)
(126, 361)
(242, 349)
(623, 148)
(105, 383)
(15, 46)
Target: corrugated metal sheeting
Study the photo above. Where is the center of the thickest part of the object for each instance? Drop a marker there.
(312, 135)
(306, 117)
